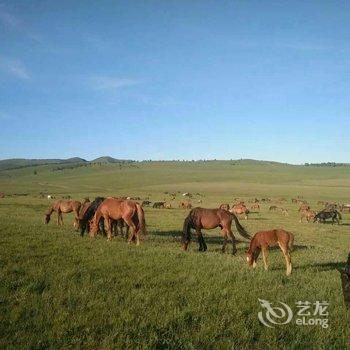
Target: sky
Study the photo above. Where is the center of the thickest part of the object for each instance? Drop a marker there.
(175, 79)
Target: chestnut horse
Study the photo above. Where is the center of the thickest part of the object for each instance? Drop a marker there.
(114, 209)
(201, 218)
(64, 206)
(262, 240)
(240, 209)
(307, 214)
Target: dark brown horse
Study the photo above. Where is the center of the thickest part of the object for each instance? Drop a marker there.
(115, 209)
(64, 206)
(201, 218)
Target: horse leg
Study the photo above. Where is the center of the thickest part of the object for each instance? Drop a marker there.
(287, 257)
(255, 257)
(233, 240)
(108, 226)
(134, 233)
(60, 218)
(224, 235)
(264, 254)
(202, 245)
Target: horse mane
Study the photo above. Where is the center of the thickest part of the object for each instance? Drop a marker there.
(90, 212)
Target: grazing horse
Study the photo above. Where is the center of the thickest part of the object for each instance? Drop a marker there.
(262, 240)
(307, 214)
(238, 209)
(185, 205)
(345, 208)
(255, 206)
(85, 218)
(345, 281)
(224, 206)
(159, 205)
(64, 206)
(115, 209)
(323, 215)
(284, 211)
(201, 218)
(273, 207)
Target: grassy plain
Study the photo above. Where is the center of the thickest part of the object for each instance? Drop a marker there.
(59, 290)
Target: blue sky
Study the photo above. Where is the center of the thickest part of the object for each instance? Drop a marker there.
(175, 79)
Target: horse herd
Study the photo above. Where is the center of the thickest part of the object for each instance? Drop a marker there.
(113, 216)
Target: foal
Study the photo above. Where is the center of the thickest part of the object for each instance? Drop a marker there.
(262, 240)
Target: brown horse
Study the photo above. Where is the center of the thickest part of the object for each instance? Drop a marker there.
(185, 205)
(238, 209)
(307, 214)
(201, 218)
(255, 206)
(114, 209)
(304, 206)
(64, 206)
(262, 240)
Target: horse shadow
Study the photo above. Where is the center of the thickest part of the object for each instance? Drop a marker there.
(327, 266)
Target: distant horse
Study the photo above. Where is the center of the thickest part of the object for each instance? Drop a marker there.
(115, 209)
(64, 206)
(238, 209)
(262, 240)
(345, 208)
(307, 214)
(207, 219)
(185, 205)
(304, 206)
(85, 218)
(255, 206)
(345, 281)
(224, 206)
(159, 205)
(284, 211)
(145, 203)
(323, 215)
(273, 207)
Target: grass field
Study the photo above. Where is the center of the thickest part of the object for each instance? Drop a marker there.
(59, 290)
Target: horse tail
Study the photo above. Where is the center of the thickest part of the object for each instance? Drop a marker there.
(291, 241)
(186, 232)
(141, 219)
(240, 228)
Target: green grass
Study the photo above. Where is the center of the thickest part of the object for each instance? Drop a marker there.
(58, 290)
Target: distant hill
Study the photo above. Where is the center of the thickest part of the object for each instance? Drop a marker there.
(108, 159)
(17, 163)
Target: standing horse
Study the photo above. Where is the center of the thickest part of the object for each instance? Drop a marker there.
(323, 215)
(64, 206)
(262, 240)
(116, 209)
(201, 218)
